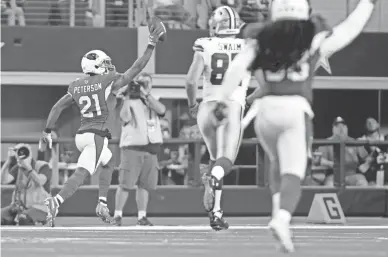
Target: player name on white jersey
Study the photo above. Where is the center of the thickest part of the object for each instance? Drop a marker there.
(229, 47)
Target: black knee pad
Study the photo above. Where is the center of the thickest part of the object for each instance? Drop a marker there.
(25, 220)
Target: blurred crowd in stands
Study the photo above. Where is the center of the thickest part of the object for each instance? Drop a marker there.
(177, 14)
(364, 165)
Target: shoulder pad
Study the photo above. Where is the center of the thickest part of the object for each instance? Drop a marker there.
(199, 44)
(320, 23)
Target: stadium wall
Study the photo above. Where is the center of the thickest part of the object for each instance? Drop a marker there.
(59, 49)
(238, 201)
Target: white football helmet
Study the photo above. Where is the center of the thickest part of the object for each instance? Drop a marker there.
(290, 9)
(96, 62)
(224, 21)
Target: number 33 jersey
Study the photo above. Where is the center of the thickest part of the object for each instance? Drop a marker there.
(93, 95)
(218, 54)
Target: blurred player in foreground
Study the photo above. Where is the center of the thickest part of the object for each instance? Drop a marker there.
(285, 52)
(212, 58)
(94, 94)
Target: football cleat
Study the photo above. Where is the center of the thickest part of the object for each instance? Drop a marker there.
(102, 212)
(144, 222)
(52, 210)
(217, 222)
(117, 221)
(282, 233)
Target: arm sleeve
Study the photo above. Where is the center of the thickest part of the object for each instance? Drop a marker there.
(199, 46)
(344, 33)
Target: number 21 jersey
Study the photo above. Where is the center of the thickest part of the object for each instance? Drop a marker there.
(218, 54)
(92, 95)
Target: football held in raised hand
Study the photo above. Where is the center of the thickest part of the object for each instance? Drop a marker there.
(155, 23)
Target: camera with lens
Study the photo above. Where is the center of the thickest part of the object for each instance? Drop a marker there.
(134, 90)
(23, 152)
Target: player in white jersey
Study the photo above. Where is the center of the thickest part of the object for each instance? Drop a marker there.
(285, 52)
(211, 60)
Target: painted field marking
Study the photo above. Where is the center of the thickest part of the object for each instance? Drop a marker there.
(189, 228)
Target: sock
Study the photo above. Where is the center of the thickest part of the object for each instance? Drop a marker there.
(102, 200)
(118, 213)
(275, 203)
(218, 214)
(141, 214)
(217, 200)
(105, 178)
(290, 191)
(59, 199)
(73, 183)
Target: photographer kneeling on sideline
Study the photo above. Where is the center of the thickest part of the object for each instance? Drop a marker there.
(32, 186)
(141, 138)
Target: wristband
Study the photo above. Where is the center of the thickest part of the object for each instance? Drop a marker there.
(151, 45)
(47, 130)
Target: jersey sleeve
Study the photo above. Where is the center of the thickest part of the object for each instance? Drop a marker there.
(199, 45)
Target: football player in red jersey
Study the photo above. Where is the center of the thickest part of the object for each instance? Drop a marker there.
(94, 94)
(285, 52)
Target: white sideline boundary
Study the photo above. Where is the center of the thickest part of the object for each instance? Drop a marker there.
(190, 228)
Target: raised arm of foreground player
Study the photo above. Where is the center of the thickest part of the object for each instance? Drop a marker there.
(140, 63)
(344, 33)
